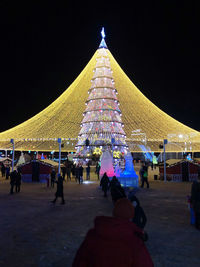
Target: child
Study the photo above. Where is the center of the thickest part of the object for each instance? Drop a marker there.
(139, 218)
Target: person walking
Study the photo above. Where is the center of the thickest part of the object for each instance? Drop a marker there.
(18, 181)
(144, 175)
(105, 182)
(77, 172)
(98, 167)
(53, 177)
(80, 174)
(7, 172)
(68, 170)
(88, 171)
(195, 201)
(3, 170)
(114, 182)
(59, 191)
(114, 241)
(12, 181)
(116, 190)
(73, 169)
(139, 218)
(63, 172)
(141, 172)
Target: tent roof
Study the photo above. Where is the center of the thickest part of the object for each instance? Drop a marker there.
(51, 162)
(173, 161)
(63, 117)
(4, 159)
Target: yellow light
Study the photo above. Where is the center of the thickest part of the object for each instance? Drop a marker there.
(117, 154)
(63, 118)
(97, 151)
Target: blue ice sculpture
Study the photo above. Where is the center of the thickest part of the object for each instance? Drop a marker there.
(128, 177)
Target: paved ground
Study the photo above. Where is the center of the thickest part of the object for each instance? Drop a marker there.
(34, 232)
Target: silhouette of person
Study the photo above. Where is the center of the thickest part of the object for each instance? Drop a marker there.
(59, 191)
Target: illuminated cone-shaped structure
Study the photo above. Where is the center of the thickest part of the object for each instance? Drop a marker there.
(145, 125)
(102, 125)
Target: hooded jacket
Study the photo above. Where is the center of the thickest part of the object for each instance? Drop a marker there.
(113, 242)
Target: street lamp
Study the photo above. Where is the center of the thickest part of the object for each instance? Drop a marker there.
(59, 142)
(13, 153)
(165, 141)
(162, 146)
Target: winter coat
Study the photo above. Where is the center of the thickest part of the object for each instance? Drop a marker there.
(59, 192)
(105, 183)
(53, 175)
(139, 218)
(141, 172)
(18, 178)
(13, 177)
(63, 170)
(80, 171)
(113, 242)
(114, 182)
(88, 169)
(3, 169)
(195, 196)
(117, 192)
(98, 168)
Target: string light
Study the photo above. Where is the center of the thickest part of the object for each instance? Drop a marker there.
(63, 117)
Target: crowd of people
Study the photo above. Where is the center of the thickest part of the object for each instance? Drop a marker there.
(76, 170)
(14, 176)
(117, 240)
(117, 192)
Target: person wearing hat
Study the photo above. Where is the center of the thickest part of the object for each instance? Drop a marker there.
(114, 241)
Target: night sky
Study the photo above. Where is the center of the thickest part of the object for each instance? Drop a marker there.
(44, 47)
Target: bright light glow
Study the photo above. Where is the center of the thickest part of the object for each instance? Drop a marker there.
(116, 154)
(136, 131)
(89, 182)
(63, 117)
(103, 33)
(180, 136)
(97, 151)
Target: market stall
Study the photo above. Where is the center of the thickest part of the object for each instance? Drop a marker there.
(181, 171)
(35, 171)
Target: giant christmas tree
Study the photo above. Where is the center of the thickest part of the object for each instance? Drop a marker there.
(102, 127)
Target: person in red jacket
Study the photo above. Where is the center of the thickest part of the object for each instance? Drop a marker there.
(114, 241)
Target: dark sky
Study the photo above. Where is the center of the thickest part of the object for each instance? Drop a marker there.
(43, 48)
